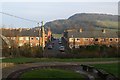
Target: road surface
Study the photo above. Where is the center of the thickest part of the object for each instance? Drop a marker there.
(54, 52)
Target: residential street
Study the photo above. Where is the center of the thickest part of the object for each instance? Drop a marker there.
(54, 51)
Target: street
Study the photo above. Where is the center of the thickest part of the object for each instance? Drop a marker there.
(54, 51)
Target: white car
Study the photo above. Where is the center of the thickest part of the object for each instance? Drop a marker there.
(60, 42)
(62, 48)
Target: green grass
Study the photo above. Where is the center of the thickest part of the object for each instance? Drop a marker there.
(108, 24)
(32, 60)
(111, 68)
(57, 35)
(51, 73)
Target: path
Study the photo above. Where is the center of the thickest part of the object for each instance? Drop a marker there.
(7, 71)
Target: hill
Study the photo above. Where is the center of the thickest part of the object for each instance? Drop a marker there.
(85, 21)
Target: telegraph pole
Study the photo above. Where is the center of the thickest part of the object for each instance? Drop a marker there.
(43, 36)
(29, 38)
(39, 33)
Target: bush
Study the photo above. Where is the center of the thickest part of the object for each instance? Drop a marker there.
(95, 51)
(6, 51)
(23, 51)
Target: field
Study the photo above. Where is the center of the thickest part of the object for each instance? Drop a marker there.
(111, 68)
(57, 35)
(108, 24)
(52, 73)
(33, 60)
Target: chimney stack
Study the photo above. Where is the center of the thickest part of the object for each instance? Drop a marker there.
(104, 31)
(81, 30)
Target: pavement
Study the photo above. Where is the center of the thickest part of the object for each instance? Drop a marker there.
(7, 71)
(16, 71)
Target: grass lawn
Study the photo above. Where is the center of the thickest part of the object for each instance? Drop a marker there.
(28, 60)
(52, 73)
(111, 68)
(57, 35)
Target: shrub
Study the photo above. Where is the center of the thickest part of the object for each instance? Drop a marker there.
(95, 51)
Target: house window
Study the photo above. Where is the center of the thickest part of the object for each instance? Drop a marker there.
(32, 38)
(70, 39)
(37, 38)
(77, 46)
(31, 44)
(110, 39)
(37, 44)
(78, 39)
(96, 39)
(20, 38)
(116, 40)
(13, 38)
(86, 39)
(20, 44)
(27, 38)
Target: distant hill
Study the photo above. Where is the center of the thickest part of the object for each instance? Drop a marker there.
(85, 21)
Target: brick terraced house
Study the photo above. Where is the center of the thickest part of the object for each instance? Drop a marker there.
(30, 37)
(78, 37)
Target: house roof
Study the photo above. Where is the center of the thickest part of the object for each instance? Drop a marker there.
(14, 33)
(107, 34)
(92, 34)
(85, 34)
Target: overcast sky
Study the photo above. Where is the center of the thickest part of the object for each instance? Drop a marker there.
(48, 11)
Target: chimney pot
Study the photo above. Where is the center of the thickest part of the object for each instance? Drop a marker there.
(104, 31)
(81, 30)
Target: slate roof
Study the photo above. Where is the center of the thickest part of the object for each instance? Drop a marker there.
(93, 34)
(107, 34)
(14, 33)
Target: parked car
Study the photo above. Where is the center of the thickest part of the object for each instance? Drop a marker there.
(60, 42)
(52, 43)
(62, 48)
(50, 46)
(59, 39)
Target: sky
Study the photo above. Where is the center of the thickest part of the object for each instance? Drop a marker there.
(59, 0)
(49, 11)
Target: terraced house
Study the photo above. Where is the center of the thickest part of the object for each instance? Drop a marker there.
(32, 37)
(79, 37)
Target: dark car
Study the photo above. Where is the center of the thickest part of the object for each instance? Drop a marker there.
(52, 43)
(62, 48)
(50, 46)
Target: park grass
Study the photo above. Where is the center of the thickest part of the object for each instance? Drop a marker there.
(34, 60)
(52, 73)
(57, 35)
(112, 68)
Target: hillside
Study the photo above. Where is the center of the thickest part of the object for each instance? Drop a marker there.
(85, 21)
